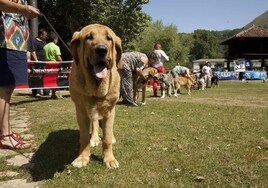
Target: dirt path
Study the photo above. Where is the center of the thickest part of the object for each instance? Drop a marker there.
(20, 124)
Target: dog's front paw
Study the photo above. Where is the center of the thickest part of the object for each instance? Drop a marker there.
(95, 141)
(113, 140)
(143, 103)
(80, 161)
(111, 163)
(162, 97)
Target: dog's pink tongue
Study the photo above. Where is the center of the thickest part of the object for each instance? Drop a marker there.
(100, 71)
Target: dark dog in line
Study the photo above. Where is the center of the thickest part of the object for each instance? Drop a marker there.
(214, 81)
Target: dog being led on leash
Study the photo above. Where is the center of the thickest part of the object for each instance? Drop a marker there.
(214, 81)
(183, 81)
(140, 83)
(166, 83)
(201, 84)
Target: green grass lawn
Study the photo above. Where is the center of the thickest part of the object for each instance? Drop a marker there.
(213, 138)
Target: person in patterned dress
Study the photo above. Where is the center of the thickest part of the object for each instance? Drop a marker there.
(13, 63)
(134, 63)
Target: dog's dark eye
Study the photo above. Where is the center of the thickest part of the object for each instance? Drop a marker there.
(89, 37)
(109, 37)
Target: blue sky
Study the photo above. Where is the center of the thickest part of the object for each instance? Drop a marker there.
(189, 15)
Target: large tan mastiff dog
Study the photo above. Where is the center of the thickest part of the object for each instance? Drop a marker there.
(94, 88)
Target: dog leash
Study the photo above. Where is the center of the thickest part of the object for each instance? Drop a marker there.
(50, 25)
(10, 132)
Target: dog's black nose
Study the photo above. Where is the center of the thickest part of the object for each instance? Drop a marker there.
(101, 50)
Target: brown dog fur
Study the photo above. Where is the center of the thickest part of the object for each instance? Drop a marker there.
(140, 83)
(94, 88)
(183, 81)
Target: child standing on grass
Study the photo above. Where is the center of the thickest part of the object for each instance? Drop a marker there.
(52, 53)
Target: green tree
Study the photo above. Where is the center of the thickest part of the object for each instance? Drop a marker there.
(205, 45)
(175, 45)
(125, 17)
(186, 41)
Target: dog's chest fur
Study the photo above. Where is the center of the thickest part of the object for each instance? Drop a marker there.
(168, 79)
(95, 97)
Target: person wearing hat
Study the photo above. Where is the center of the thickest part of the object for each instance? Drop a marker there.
(206, 71)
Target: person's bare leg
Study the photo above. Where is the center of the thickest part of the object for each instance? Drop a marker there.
(5, 128)
(5, 96)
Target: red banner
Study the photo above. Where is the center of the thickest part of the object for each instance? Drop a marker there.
(42, 74)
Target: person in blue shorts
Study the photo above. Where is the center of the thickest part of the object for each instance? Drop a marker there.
(13, 63)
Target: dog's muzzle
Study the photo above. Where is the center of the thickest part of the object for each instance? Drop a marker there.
(102, 63)
(101, 50)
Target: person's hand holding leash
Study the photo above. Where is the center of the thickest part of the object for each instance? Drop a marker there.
(31, 12)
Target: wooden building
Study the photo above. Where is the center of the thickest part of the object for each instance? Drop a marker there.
(250, 44)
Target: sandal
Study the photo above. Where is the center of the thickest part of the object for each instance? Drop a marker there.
(16, 135)
(19, 145)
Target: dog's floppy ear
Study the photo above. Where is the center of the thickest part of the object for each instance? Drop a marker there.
(155, 71)
(152, 71)
(156, 76)
(119, 51)
(75, 42)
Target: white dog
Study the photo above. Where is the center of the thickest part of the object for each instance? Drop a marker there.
(201, 83)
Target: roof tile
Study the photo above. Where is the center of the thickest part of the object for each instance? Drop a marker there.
(252, 32)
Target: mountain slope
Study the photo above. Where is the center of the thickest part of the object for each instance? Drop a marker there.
(260, 21)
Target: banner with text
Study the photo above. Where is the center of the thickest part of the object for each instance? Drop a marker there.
(47, 74)
(248, 75)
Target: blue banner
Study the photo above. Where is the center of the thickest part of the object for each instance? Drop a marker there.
(248, 75)
(255, 75)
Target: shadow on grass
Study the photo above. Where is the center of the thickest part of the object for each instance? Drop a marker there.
(59, 149)
(31, 99)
